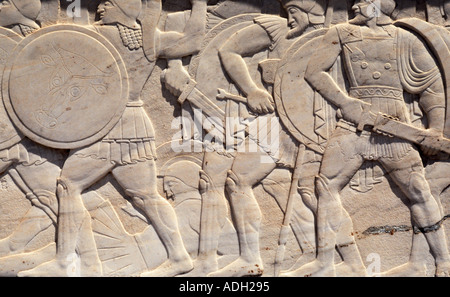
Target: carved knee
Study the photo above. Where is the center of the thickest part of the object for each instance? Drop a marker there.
(308, 197)
(418, 188)
(322, 184)
(205, 182)
(232, 182)
(65, 187)
(140, 199)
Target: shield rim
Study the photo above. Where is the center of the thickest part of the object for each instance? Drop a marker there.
(53, 143)
(282, 113)
(11, 34)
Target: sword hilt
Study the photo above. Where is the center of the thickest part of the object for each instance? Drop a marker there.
(224, 95)
(187, 91)
(366, 119)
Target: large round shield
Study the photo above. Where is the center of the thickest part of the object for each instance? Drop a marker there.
(296, 101)
(65, 86)
(8, 133)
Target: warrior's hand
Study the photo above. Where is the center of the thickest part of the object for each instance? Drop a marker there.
(428, 150)
(260, 101)
(176, 79)
(352, 110)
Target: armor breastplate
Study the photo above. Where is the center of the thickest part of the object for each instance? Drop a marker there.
(372, 70)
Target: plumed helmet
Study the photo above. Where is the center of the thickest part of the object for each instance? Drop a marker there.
(314, 8)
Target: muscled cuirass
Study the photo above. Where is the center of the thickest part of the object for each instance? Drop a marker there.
(372, 66)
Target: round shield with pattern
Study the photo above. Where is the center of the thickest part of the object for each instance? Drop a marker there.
(65, 86)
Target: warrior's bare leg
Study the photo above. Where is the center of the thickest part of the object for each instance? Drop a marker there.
(340, 163)
(417, 263)
(10, 266)
(352, 265)
(145, 196)
(246, 172)
(408, 173)
(214, 210)
(303, 220)
(41, 190)
(41, 180)
(303, 216)
(74, 220)
(33, 223)
(5, 243)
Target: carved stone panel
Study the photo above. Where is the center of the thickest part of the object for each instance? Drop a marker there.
(229, 138)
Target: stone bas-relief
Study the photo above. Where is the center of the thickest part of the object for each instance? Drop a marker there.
(227, 138)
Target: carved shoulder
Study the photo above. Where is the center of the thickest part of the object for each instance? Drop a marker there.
(349, 33)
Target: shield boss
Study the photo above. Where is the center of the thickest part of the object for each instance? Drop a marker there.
(65, 86)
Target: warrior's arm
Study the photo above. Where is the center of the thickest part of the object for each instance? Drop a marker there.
(317, 74)
(175, 76)
(175, 44)
(319, 65)
(245, 42)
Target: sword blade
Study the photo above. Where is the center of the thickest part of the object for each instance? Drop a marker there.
(214, 114)
(386, 125)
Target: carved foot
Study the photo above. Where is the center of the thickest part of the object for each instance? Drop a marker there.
(68, 268)
(10, 266)
(443, 269)
(52, 268)
(409, 269)
(312, 269)
(202, 268)
(170, 268)
(240, 268)
(346, 270)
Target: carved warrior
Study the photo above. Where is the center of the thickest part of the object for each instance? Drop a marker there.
(218, 164)
(274, 35)
(33, 167)
(129, 146)
(376, 82)
(361, 106)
